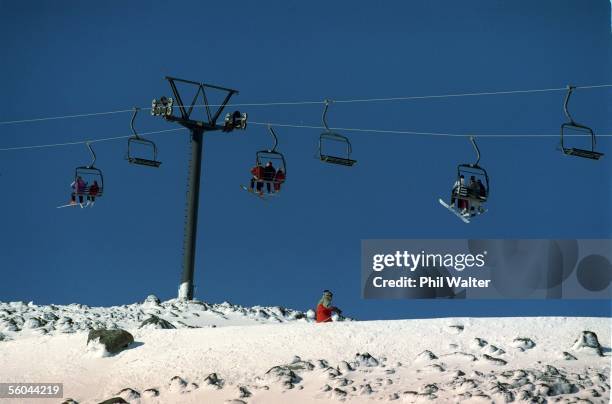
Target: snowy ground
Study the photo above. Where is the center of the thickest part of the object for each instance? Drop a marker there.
(275, 355)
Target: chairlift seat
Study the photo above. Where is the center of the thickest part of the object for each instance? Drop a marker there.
(337, 160)
(144, 162)
(589, 154)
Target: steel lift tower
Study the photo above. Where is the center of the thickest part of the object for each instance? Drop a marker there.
(164, 107)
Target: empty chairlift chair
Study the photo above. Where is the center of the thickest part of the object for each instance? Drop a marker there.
(572, 127)
(329, 136)
(137, 142)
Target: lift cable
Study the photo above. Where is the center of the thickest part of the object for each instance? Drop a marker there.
(42, 146)
(409, 132)
(300, 126)
(289, 103)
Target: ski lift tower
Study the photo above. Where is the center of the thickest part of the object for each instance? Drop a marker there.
(164, 107)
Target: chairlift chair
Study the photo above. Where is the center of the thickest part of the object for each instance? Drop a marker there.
(148, 144)
(264, 156)
(326, 137)
(472, 196)
(475, 170)
(89, 174)
(572, 126)
(271, 178)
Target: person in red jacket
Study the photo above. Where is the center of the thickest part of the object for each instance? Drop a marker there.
(257, 172)
(279, 178)
(94, 189)
(325, 309)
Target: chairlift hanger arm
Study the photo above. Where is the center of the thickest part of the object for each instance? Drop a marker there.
(324, 118)
(570, 89)
(93, 155)
(136, 109)
(473, 140)
(273, 133)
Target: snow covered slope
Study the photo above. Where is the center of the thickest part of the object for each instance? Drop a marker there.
(19, 320)
(283, 360)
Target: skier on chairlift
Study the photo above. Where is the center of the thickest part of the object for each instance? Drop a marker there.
(482, 191)
(258, 172)
(279, 178)
(473, 187)
(269, 172)
(325, 309)
(78, 188)
(474, 197)
(94, 189)
(462, 203)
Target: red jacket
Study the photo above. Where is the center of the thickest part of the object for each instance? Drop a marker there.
(93, 190)
(324, 314)
(257, 172)
(280, 176)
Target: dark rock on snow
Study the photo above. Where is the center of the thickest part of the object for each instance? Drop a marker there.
(365, 359)
(155, 322)
(114, 400)
(214, 380)
(114, 340)
(588, 341)
(152, 299)
(568, 356)
(150, 393)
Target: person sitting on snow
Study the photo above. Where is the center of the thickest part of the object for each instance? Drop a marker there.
(325, 309)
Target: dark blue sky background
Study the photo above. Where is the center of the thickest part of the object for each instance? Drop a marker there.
(70, 57)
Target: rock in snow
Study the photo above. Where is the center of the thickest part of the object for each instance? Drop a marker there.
(152, 300)
(426, 356)
(114, 400)
(588, 342)
(154, 322)
(214, 381)
(568, 356)
(523, 344)
(282, 375)
(365, 359)
(114, 341)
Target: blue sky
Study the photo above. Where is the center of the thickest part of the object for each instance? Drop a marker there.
(73, 57)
